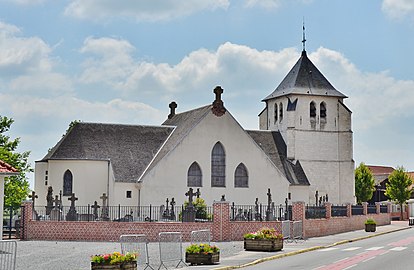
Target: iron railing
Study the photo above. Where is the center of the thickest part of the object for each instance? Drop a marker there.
(372, 209)
(357, 210)
(313, 212)
(383, 208)
(339, 211)
(121, 213)
(260, 212)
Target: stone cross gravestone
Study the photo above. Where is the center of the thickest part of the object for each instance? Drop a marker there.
(49, 200)
(105, 209)
(269, 212)
(72, 214)
(56, 213)
(189, 211)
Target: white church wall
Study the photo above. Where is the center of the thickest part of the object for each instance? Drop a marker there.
(299, 193)
(169, 177)
(40, 186)
(120, 194)
(90, 180)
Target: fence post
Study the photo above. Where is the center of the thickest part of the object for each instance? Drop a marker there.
(221, 221)
(388, 207)
(328, 209)
(349, 210)
(298, 211)
(26, 217)
(365, 208)
(377, 205)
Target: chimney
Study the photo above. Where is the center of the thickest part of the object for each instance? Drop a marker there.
(172, 106)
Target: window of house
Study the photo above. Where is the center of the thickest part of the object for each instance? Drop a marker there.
(218, 166)
(129, 194)
(241, 177)
(67, 183)
(275, 112)
(322, 110)
(281, 112)
(194, 176)
(312, 110)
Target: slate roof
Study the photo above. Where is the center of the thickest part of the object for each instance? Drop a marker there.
(6, 168)
(274, 146)
(305, 79)
(130, 148)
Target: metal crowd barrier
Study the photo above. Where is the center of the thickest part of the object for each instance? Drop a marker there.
(136, 243)
(8, 249)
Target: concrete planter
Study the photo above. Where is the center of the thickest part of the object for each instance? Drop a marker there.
(263, 244)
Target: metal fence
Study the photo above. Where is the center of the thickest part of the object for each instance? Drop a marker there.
(313, 211)
(260, 212)
(339, 211)
(383, 208)
(8, 249)
(121, 213)
(372, 209)
(357, 210)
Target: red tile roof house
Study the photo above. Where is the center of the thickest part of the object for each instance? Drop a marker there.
(5, 171)
(381, 174)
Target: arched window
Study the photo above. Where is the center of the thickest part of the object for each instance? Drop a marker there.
(281, 112)
(312, 110)
(67, 183)
(218, 166)
(194, 176)
(241, 177)
(322, 110)
(276, 112)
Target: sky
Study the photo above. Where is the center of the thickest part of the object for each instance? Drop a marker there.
(124, 61)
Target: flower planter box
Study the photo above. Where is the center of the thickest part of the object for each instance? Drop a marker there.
(263, 244)
(123, 266)
(370, 227)
(201, 258)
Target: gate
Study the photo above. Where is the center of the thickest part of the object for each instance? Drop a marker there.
(12, 222)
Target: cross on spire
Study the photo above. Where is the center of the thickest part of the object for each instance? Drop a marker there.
(303, 36)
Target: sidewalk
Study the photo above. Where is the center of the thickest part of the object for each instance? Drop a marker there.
(35, 255)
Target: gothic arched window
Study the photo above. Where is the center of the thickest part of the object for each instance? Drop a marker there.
(276, 112)
(194, 176)
(322, 110)
(67, 183)
(312, 110)
(281, 112)
(218, 166)
(241, 177)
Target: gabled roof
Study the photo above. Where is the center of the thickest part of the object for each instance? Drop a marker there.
(183, 123)
(377, 170)
(305, 79)
(130, 148)
(7, 169)
(272, 143)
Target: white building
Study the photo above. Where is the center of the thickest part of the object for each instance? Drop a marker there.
(298, 151)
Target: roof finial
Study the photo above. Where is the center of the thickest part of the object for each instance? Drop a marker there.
(303, 36)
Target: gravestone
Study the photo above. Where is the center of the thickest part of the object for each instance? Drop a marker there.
(56, 213)
(33, 196)
(257, 215)
(165, 211)
(105, 209)
(172, 213)
(49, 200)
(95, 208)
(72, 214)
(269, 212)
(189, 212)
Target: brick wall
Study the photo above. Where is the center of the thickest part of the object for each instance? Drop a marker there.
(222, 228)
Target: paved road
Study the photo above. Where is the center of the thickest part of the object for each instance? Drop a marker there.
(388, 251)
(45, 255)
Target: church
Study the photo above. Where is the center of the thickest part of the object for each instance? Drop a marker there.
(303, 151)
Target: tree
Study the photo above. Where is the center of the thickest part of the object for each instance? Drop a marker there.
(364, 183)
(16, 188)
(399, 187)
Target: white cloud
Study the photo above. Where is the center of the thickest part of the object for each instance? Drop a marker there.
(267, 4)
(22, 55)
(25, 2)
(398, 9)
(154, 10)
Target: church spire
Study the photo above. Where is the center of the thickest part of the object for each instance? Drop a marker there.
(303, 37)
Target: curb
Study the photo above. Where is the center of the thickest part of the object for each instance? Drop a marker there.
(274, 257)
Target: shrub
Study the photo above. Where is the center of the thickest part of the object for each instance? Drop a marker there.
(370, 221)
(264, 233)
(201, 249)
